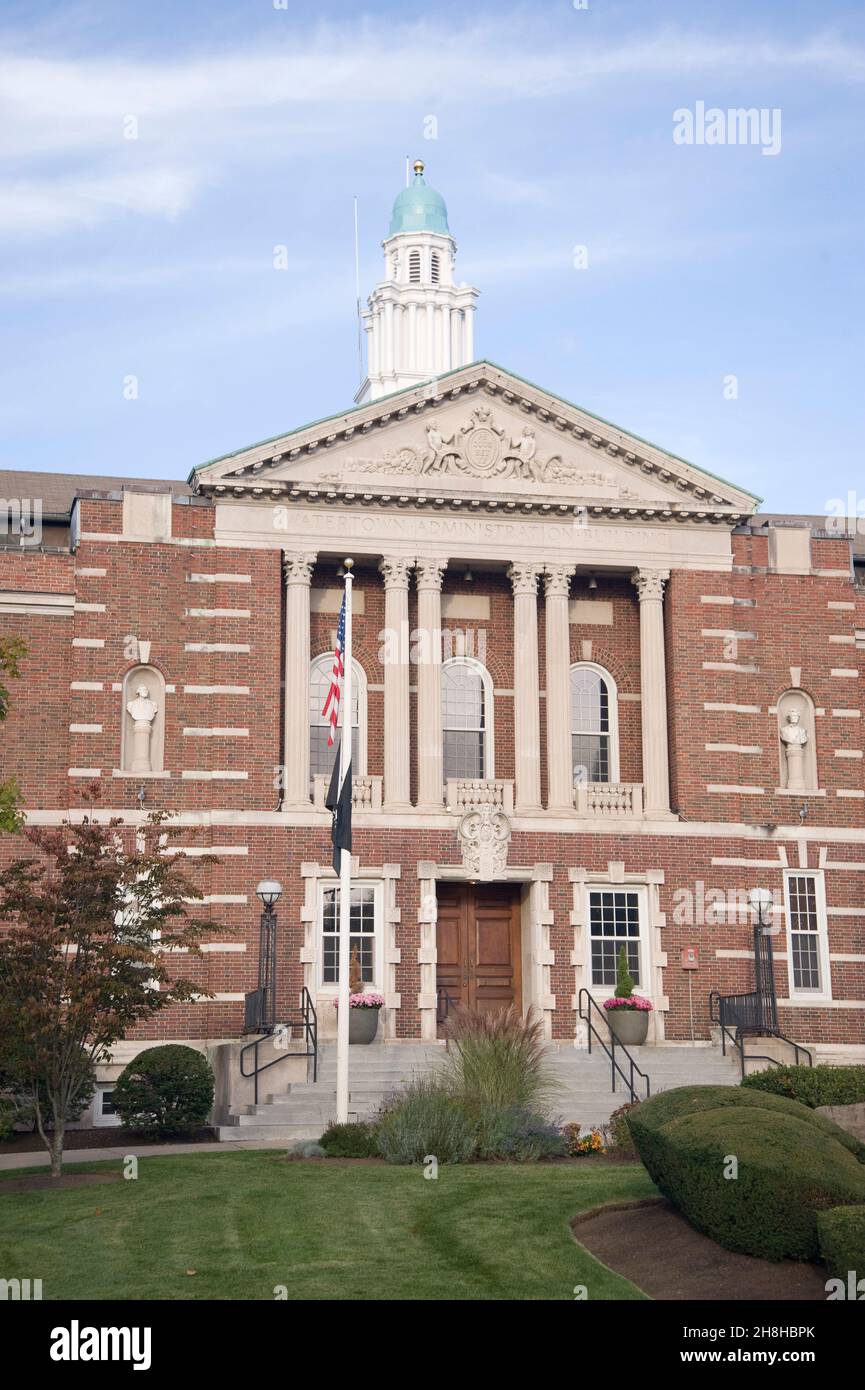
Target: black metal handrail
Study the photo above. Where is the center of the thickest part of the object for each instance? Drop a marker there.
(444, 1003)
(737, 1017)
(615, 1068)
(307, 1020)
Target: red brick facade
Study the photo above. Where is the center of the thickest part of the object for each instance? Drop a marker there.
(64, 732)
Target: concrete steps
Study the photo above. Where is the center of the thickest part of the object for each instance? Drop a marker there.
(305, 1109)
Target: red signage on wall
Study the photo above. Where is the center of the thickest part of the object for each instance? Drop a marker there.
(690, 959)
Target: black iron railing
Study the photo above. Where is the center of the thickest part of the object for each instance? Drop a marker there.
(741, 1016)
(444, 1003)
(617, 1068)
(305, 1019)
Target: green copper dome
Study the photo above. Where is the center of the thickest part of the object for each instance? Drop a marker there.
(418, 208)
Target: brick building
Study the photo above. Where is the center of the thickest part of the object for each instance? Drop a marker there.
(598, 698)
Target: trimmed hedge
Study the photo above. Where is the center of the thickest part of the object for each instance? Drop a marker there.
(841, 1232)
(165, 1091)
(791, 1164)
(812, 1086)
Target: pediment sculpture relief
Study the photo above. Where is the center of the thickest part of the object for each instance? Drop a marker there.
(481, 449)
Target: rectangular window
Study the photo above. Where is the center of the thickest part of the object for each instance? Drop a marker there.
(363, 914)
(806, 930)
(463, 753)
(614, 921)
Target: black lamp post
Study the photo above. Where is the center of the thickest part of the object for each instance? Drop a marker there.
(763, 907)
(270, 892)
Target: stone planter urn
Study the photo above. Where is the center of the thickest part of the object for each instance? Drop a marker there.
(362, 1025)
(628, 1026)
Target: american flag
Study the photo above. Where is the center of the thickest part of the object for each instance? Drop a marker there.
(331, 704)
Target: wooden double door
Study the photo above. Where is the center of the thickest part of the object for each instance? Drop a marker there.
(478, 944)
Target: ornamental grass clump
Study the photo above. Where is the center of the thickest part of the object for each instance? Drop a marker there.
(423, 1120)
(497, 1061)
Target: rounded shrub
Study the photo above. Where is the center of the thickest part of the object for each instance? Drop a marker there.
(841, 1232)
(518, 1135)
(789, 1165)
(356, 1140)
(425, 1120)
(165, 1091)
(812, 1086)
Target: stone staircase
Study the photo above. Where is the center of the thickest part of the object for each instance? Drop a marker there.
(303, 1110)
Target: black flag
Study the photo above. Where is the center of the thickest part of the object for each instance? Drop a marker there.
(338, 802)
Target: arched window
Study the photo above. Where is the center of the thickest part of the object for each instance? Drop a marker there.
(414, 267)
(594, 724)
(467, 717)
(434, 267)
(320, 756)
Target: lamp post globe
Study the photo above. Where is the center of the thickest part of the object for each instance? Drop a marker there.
(270, 892)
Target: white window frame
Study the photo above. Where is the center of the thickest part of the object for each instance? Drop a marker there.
(359, 685)
(101, 1120)
(644, 940)
(327, 989)
(489, 712)
(613, 710)
(824, 993)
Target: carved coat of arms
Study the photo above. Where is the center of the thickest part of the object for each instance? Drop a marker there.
(484, 835)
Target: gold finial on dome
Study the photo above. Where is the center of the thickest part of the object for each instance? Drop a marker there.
(418, 166)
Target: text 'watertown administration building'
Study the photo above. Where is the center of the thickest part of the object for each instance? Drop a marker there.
(597, 700)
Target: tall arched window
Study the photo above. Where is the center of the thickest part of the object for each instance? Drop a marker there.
(434, 267)
(467, 719)
(414, 267)
(594, 725)
(320, 756)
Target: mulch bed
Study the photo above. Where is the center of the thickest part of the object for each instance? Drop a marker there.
(38, 1182)
(651, 1243)
(106, 1137)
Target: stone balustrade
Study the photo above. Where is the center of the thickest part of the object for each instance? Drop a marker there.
(366, 793)
(608, 799)
(463, 794)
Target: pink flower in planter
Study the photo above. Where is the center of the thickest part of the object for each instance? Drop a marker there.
(635, 1002)
(363, 1001)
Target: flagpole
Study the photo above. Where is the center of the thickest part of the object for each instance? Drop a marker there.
(342, 1013)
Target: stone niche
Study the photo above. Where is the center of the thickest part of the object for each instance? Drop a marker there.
(797, 742)
(142, 713)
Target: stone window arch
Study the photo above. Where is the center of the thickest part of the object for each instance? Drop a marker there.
(797, 754)
(594, 723)
(142, 714)
(321, 757)
(467, 718)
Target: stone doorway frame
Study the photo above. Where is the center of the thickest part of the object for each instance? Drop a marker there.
(536, 920)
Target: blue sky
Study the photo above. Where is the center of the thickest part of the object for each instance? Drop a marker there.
(256, 125)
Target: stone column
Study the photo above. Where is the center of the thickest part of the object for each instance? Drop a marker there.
(298, 573)
(527, 720)
(653, 690)
(430, 759)
(560, 778)
(397, 791)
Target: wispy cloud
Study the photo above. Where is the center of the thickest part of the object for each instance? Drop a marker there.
(215, 108)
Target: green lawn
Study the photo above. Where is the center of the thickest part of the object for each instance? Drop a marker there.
(246, 1222)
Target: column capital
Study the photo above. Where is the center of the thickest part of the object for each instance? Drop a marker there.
(557, 580)
(430, 573)
(298, 567)
(524, 578)
(395, 571)
(650, 584)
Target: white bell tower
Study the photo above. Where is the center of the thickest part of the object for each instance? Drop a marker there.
(419, 323)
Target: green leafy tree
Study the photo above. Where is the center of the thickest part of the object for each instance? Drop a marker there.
(12, 653)
(94, 920)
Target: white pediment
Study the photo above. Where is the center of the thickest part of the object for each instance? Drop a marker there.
(476, 433)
